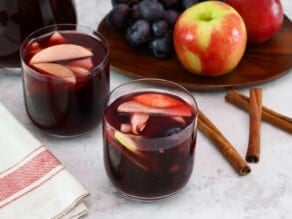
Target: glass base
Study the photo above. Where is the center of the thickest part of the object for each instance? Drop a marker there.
(147, 199)
(87, 132)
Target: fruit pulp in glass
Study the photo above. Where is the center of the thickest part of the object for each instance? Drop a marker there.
(149, 144)
(66, 80)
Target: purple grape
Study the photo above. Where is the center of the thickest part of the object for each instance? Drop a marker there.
(170, 3)
(151, 10)
(162, 47)
(172, 131)
(119, 16)
(170, 16)
(149, 22)
(139, 33)
(159, 28)
(136, 15)
(188, 3)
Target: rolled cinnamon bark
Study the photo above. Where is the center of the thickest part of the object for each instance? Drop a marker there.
(281, 121)
(223, 145)
(255, 112)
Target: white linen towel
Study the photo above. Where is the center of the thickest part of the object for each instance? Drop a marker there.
(33, 183)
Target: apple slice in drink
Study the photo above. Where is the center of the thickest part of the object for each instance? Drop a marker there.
(139, 122)
(81, 67)
(78, 71)
(86, 63)
(57, 38)
(58, 71)
(126, 142)
(157, 100)
(60, 52)
(125, 127)
(136, 107)
(127, 154)
(35, 48)
(179, 119)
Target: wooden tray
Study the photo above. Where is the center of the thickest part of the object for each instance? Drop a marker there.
(260, 63)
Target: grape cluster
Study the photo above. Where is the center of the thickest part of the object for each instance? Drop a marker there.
(148, 22)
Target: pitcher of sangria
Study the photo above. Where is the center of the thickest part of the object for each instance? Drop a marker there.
(18, 18)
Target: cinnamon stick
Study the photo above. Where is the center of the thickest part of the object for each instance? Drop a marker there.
(255, 112)
(223, 145)
(279, 120)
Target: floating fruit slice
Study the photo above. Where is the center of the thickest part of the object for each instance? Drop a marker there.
(157, 100)
(136, 107)
(35, 47)
(139, 122)
(179, 119)
(127, 143)
(127, 154)
(57, 38)
(181, 110)
(57, 70)
(60, 52)
(125, 127)
(78, 71)
(84, 63)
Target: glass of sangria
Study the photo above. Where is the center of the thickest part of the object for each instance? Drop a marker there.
(65, 78)
(149, 132)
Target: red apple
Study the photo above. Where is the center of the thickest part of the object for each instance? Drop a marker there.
(210, 38)
(263, 18)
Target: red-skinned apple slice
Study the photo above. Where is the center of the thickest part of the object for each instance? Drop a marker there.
(136, 107)
(78, 71)
(57, 38)
(84, 63)
(157, 100)
(58, 71)
(60, 52)
(139, 122)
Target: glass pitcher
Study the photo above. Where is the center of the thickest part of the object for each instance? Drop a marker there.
(18, 18)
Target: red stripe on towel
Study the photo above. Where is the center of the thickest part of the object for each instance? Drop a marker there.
(2, 172)
(24, 176)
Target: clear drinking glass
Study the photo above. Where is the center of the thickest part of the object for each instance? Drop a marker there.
(149, 133)
(65, 78)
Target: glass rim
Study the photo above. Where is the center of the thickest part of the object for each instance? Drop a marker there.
(148, 80)
(155, 80)
(93, 32)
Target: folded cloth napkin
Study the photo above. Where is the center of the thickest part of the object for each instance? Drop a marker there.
(33, 183)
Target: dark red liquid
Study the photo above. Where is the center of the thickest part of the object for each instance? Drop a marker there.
(61, 108)
(18, 18)
(163, 160)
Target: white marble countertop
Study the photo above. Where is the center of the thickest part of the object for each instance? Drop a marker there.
(214, 190)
